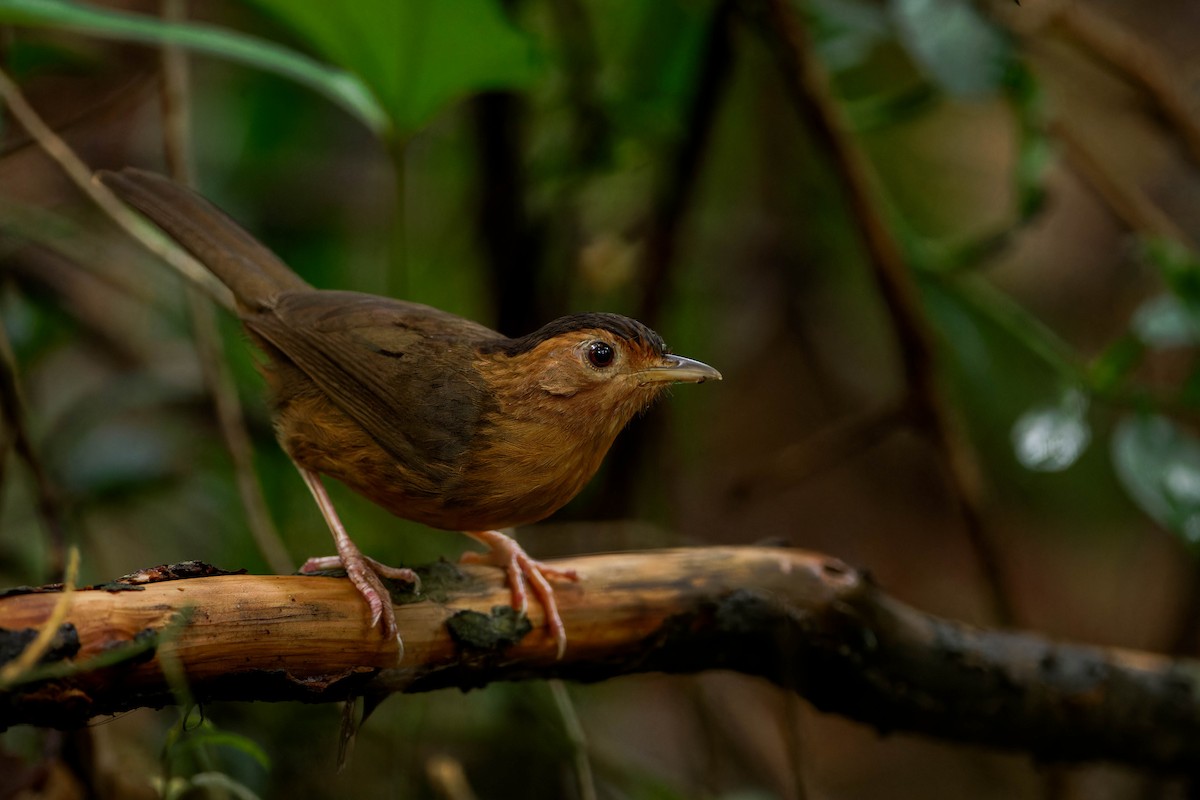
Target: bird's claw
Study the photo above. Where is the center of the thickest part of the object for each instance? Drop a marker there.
(525, 574)
(402, 574)
(365, 574)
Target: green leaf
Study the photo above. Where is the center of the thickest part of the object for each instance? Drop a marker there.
(1165, 321)
(337, 85)
(846, 31)
(1112, 367)
(1052, 438)
(648, 78)
(1034, 149)
(415, 55)
(954, 43)
(1159, 465)
(1189, 392)
(216, 738)
(1179, 266)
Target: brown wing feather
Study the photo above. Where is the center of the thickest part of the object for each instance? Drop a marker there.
(401, 370)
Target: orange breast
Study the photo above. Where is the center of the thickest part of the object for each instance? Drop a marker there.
(520, 477)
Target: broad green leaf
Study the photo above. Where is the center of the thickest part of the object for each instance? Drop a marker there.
(1158, 463)
(339, 86)
(1052, 438)
(954, 43)
(415, 55)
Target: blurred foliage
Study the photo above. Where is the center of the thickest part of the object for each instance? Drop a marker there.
(1066, 343)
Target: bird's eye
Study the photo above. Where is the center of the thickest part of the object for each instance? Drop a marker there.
(601, 354)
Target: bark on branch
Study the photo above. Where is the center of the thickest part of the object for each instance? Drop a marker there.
(805, 621)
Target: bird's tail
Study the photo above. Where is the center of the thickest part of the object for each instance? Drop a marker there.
(253, 273)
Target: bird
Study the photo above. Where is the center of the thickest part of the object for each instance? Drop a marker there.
(434, 417)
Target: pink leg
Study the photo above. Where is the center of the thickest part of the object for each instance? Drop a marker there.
(363, 572)
(504, 552)
(321, 563)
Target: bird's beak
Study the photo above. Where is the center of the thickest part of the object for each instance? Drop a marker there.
(677, 369)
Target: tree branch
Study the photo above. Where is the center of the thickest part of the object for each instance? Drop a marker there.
(807, 84)
(802, 620)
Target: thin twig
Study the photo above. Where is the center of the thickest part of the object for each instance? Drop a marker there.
(395, 280)
(13, 670)
(824, 449)
(1136, 211)
(577, 738)
(808, 86)
(218, 380)
(1140, 62)
(677, 188)
(448, 778)
(1123, 197)
(81, 175)
(176, 100)
(589, 142)
(674, 195)
(12, 414)
(591, 130)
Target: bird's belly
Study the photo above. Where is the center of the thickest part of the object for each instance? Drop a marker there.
(526, 477)
(497, 488)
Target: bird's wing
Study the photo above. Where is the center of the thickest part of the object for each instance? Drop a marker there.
(403, 371)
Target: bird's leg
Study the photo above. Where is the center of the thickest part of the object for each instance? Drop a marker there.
(322, 563)
(363, 572)
(504, 552)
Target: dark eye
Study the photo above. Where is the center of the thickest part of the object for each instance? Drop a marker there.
(601, 354)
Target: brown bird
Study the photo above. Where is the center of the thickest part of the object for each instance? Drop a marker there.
(436, 418)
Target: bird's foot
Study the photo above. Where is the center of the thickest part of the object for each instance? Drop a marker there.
(504, 552)
(365, 574)
(404, 574)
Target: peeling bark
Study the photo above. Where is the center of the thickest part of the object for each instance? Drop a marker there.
(802, 620)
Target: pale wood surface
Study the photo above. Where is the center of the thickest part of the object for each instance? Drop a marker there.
(805, 621)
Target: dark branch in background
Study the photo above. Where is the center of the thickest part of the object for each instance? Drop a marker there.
(512, 245)
(1124, 199)
(589, 143)
(214, 368)
(591, 131)
(806, 622)
(677, 188)
(808, 86)
(14, 432)
(85, 297)
(1140, 62)
(824, 449)
(1142, 65)
(1129, 204)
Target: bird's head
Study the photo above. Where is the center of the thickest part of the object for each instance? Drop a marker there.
(594, 365)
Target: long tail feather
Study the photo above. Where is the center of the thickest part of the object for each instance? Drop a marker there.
(253, 273)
